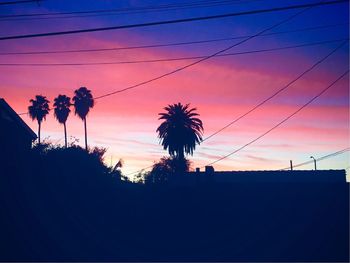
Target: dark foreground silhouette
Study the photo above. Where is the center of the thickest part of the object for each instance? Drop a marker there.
(65, 205)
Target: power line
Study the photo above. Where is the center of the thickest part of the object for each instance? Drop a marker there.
(283, 121)
(267, 99)
(256, 51)
(189, 65)
(170, 59)
(321, 158)
(198, 61)
(194, 63)
(113, 12)
(19, 2)
(278, 91)
(125, 9)
(184, 20)
(203, 59)
(287, 168)
(166, 44)
(274, 94)
(139, 171)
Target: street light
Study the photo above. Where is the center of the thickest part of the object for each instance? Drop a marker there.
(314, 162)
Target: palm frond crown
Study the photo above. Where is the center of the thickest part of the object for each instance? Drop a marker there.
(180, 130)
(61, 108)
(39, 108)
(83, 101)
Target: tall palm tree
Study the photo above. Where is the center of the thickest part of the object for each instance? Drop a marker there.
(38, 110)
(83, 101)
(62, 104)
(181, 130)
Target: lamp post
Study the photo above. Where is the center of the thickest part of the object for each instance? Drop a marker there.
(314, 162)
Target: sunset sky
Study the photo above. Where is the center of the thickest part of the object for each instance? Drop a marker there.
(221, 88)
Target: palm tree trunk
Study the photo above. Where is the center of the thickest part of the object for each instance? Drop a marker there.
(39, 129)
(65, 134)
(181, 154)
(86, 146)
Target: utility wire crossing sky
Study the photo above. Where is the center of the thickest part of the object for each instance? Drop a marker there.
(300, 59)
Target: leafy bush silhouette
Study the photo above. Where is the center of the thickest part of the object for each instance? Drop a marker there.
(167, 168)
(73, 162)
(65, 205)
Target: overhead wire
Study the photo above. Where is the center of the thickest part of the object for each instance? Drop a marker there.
(203, 59)
(270, 97)
(320, 158)
(138, 171)
(166, 44)
(114, 12)
(174, 21)
(278, 91)
(171, 59)
(287, 168)
(221, 51)
(281, 122)
(20, 2)
(192, 63)
(23, 113)
(124, 9)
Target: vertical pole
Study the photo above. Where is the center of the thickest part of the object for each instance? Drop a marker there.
(314, 161)
(315, 164)
(291, 165)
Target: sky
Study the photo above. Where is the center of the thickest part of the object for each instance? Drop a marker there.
(221, 88)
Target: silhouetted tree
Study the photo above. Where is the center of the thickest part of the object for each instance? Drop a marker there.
(72, 162)
(83, 101)
(38, 110)
(163, 170)
(62, 104)
(181, 130)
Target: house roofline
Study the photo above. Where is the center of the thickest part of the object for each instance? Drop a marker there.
(13, 114)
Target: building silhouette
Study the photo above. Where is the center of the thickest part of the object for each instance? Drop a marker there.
(16, 136)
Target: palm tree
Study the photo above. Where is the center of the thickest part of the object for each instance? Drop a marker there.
(83, 101)
(62, 104)
(38, 110)
(180, 131)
